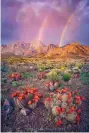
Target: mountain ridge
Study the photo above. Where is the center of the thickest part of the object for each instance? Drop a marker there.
(37, 48)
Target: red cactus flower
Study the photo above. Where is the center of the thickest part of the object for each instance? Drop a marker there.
(65, 90)
(60, 97)
(36, 97)
(31, 91)
(29, 102)
(51, 94)
(21, 95)
(58, 90)
(72, 109)
(47, 84)
(48, 99)
(34, 89)
(25, 96)
(63, 110)
(78, 101)
(59, 123)
(35, 100)
(77, 97)
(17, 92)
(17, 75)
(13, 94)
(82, 98)
(58, 109)
(27, 89)
(12, 75)
(69, 95)
(50, 83)
(39, 94)
(69, 101)
(20, 98)
(24, 92)
(75, 92)
(79, 111)
(39, 77)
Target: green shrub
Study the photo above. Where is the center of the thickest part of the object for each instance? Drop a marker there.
(79, 65)
(66, 76)
(53, 76)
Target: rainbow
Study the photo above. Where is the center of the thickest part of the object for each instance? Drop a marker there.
(40, 33)
(65, 28)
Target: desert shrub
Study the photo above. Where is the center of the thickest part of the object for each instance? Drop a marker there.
(64, 105)
(56, 70)
(53, 76)
(66, 76)
(15, 76)
(14, 84)
(4, 66)
(84, 77)
(27, 75)
(17, 83)
(3, 80)
(68, 71)
(13, 68)
(41, 75)
(79, 65)
(51, 86)
(41, 67)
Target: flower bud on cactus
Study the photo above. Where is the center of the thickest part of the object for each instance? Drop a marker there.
(33, 105)
(47, 102)
(64, 97)
(56, 84)
(55, 111)
(51, 87)
(71, 117)
(51, 83)
(62, 115)
(58, 102)
(52, 104)
(64, 105)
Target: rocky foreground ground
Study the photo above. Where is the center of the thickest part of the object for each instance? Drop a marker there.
(39, 119)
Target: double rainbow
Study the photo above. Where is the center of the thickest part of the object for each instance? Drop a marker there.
(43, 26)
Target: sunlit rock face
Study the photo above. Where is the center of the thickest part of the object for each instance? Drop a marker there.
(37, 47)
